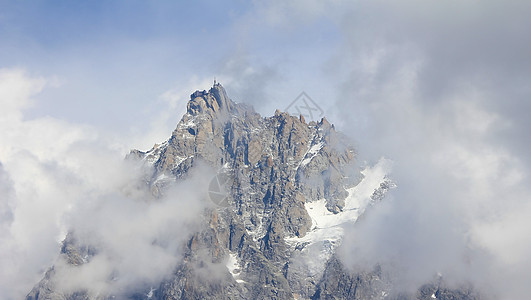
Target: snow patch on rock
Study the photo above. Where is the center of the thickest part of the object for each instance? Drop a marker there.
(153, 155)
(234, 267)
(311, 153)
(318, 245)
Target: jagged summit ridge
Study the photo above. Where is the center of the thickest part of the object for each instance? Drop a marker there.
(240, 136)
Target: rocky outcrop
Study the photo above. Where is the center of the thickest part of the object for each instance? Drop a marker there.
(338, 283)
(73, 253)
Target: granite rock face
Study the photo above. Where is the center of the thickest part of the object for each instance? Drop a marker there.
(339, 283)
(262, 243)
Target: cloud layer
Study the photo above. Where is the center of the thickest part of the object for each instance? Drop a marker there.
(58, 177)
(441, 98)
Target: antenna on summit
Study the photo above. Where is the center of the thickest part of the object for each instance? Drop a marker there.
(214, 80)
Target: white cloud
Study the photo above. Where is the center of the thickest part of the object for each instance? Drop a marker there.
(138, 241)
(433, 101)
(16, 90)
(58, 176)
(39, 187)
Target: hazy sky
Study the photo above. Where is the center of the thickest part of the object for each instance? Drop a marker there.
(441, 87)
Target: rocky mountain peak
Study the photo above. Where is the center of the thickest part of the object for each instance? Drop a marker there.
(212, 102)
(292, 186)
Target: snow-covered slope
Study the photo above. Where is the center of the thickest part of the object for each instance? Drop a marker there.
(327, 228)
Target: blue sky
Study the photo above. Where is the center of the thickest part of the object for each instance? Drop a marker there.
(112, 60)
(62, 26)
(110, 54)
(440, 87)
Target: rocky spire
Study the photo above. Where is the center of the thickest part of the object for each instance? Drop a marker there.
(218, 92)
(212, 102)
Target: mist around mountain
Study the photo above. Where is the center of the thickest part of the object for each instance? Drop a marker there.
(234, 206)
(440, 89)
